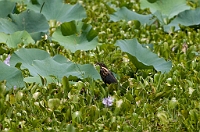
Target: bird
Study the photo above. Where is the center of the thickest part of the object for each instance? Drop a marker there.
(106, 75)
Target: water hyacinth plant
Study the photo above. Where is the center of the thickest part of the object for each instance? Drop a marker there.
(50, 83)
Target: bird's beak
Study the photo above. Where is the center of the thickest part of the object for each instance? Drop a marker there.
(97, 64)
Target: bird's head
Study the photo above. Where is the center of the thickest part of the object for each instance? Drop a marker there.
(101, 64)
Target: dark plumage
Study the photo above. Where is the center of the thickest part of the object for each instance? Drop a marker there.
(106, 75)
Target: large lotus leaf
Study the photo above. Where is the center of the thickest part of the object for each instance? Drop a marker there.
(18, 1)
(3, 37)
(26, 58)
(168, 8)
(88, 70)
(39, 62)
(142, 57)
(61, 59)
(37, 80)
(57, 10)
(6, 7)
(12, 75)
(20, 37)
(84, 39)
(125, 14)
(186, 18)
(52, 70)
(49, 67)
(33, 23)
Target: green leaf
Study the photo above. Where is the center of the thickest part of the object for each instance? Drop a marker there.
(127, 15)
(194, 115)
(85, 39)
(6, 7)
(173, 103)
(49, 67)
(71, 128)
(12, 75)
(137, 63)
(33, 23)
(88, 70)
(26, 57)
(3, 37)
(196, 2)
(162, 115)
(108, 6)
(58, 10)
(68, 28)
(91, 34)
(186, 18)
(142, 57)
(77, 116)
(39, 62)
(43, 80)
(65, 83)
(61, 59)
(37, 79)
(168, 8)
(53, 103)
(20, 37)
(151, 1)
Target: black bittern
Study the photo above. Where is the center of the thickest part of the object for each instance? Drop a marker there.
(106, 75)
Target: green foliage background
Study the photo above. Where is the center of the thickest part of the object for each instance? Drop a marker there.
(145, 99)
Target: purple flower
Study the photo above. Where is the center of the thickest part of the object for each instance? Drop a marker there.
(108, 101)
(15, 87)
(7, 60)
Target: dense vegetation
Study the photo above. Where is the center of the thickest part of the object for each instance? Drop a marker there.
(49, 81)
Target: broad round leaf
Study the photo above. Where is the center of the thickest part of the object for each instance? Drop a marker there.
(142, 57)
(186, 18)
(3, 37)
(168, 8)
(12, 75)
(57, 10)
(20, 37)
(33, 23)
(61, 59)
(39, 62)
(26, 57)
(49, 67)
(88, 70)
(128, 15)
(6, 7)
(80, 41)
(37, 79)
